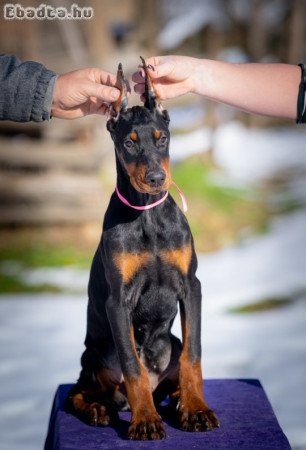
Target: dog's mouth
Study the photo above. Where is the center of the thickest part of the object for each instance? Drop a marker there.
(150, 182)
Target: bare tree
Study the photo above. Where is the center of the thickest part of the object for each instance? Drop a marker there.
(257, 35)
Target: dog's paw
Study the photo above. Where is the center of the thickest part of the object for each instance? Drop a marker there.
(147, 429)
(97, 415)
(198, 420)
(92, 411)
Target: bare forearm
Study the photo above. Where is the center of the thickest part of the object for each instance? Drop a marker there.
(267, 89)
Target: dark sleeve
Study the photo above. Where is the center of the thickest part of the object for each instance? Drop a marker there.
(301, 104)
(25, 90)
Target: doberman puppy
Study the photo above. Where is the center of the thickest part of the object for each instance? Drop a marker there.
(143, 269)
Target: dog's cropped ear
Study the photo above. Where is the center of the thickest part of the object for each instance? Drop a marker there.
(120, 106)
(152, 101)
(166, 116)
(111, 125)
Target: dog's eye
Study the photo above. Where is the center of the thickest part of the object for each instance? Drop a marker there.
(128, 144)
(163, 140)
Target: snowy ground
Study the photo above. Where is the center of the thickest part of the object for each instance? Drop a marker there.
(41, 335)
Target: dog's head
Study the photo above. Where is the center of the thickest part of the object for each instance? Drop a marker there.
(141, 137)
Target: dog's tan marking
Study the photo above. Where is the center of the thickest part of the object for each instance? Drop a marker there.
(157, 134)
(134, 136)
(165, 164)
(129, 264)
(130, 168)
(179, 257)
(137, 174)
(134, 170)
(140, 398)
(137, 384)
(191, 388)
(190, 375)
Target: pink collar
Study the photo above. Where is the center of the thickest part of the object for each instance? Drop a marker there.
(152, 205)
(141, 208)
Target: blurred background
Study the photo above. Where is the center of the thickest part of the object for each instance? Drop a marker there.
(244, 177)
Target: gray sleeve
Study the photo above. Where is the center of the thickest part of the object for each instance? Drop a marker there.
(25, 90)
(48, 97)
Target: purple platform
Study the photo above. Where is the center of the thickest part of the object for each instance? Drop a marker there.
(246, 416)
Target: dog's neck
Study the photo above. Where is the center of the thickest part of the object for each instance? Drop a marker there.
(129, 192)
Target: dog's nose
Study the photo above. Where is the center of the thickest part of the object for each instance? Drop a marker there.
(155, 178)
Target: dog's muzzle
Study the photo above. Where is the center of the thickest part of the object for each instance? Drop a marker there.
(156, 178)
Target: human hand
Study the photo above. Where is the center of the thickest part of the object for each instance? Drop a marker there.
(172, 76)
(83, 92)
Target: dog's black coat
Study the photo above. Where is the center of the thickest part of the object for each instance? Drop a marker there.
(143, 269)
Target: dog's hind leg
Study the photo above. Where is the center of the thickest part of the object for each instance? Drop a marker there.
(169, 381)
(91, 406)
(95, 398)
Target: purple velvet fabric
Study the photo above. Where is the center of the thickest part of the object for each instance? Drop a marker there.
(246, 416)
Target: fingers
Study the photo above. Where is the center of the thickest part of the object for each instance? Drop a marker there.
(160, 69)
(102, 77)
(138, 77)
(158, 66)
(92, 90)
(108, 79)
(103, 110)
(104, 87)
(139, 88)
(104, 93)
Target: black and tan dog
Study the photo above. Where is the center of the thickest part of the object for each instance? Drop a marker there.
(143, 269)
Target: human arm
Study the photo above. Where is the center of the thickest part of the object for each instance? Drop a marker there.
(23, 89)
(82, 92)
(31, 92)
(267, 89)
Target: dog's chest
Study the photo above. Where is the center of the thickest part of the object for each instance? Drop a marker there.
(168, 243)
(159, 232)
(152, 244)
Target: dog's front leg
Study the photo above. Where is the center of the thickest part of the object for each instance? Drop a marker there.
(145, 422)
(195, 414)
